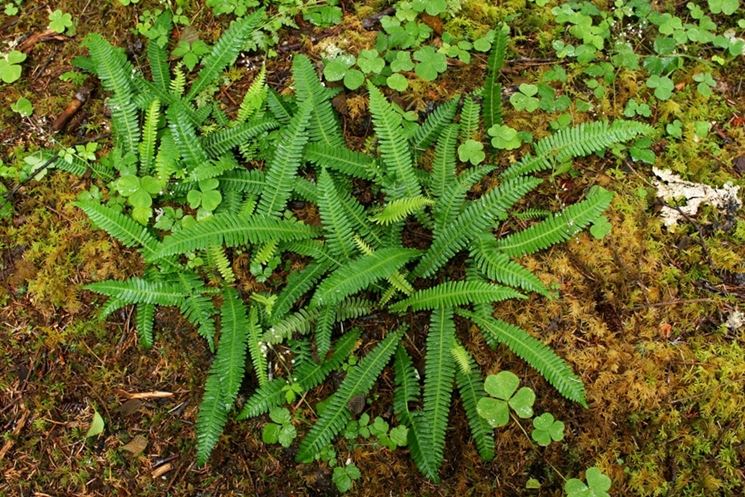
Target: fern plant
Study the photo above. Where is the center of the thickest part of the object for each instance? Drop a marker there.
(235, 179)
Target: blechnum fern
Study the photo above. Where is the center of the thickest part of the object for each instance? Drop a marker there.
(173, 156)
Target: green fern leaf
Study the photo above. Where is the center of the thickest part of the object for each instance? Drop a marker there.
(199, 311)
(407, 385)
(443, 166)
(360, 273)
(125, 229)
(145, 318)
(285, 163)
(336, 225)
(264, 398)
(219, 260)
(470, 386)
(427, 133)
(158, 60)
(455, 293)
(230, 361)
(211, 418)
(558, 228)
(231, 230)
(324, 329)
(149, 137)
(185, 137)
(324, 126)
(469, 119)
(298, 283)
(139, 291)
(256, 349)
(279, 107)
(358, 381)
(454, 197)
(222, 141)
(539, 356)
(254, 98)
(492, 93)
(498, 267)
(399, 209)
(243, 181)
(341, 159)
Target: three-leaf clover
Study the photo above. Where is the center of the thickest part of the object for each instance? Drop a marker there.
(138, 192)
(675, 129)
(471, 151)
(597, 485)
(207, 198)
(634, 108)
(344, 476)
(600, 228)
(726, 7)
(59, 22)
(504, 137)
(340, 68)
(705, 83)
(663, 86)
(546, 429)
(369, 61)
(505, 395)
(402, 62)
(397, 82)
(23, 107)
(429, 63)
(10, 66)
(525, 98)
(281, 430)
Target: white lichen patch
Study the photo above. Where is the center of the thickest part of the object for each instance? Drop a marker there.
(689, 196)
(736, 321)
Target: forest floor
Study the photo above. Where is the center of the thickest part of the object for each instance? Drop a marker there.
(642, 314)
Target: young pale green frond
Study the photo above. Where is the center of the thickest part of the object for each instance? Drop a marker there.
(394, 148)
(122, 227)
(476, 219)
(149, 137)
(220, 142)
(469, 119)
(455, 293)
(407, 385)
(139, 291)
(298, 322)
(539, 356)
(399, 209)
(578, 141)
(492, 94)
(254, 98)
(443, 166)
(358, 381)
(336, 225)
(279, 107)
(558, 228)
(324, 127)
(497, 266)
(439, 371)
(232, 230)
(158, 61)
(256, 348)
(298, 283)
(225, 51)
(471, 389)
(145, 319)
(219, 260)
(361, 273)
(427, 133)
(230, 361)
(283, 167)
(341, 159)
(211, 417)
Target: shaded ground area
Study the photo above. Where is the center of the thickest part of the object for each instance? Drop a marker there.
(641, 316)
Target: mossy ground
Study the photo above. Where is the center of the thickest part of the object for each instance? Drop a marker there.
(640, 314)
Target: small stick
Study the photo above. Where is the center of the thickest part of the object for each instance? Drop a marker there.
(161, 470)
(81, 96)
(146, 395)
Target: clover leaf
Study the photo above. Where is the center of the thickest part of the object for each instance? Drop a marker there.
(505, 395)
(281, 430)
(207, 198)
(524, 99)
(597, 485)
(402, 62)
(504, 137)
(190, 52)
(705, 83)
(471, 151)
(484, 43)
(397, 82)
(663, 86)
(138, 192)
(59, 22)
(600, 228)
(546, 429)
(10, 66)
(345, 476)
(430, 63)
(675, 129)
(634, 108)
(340, 68)
(726, 7)
(23, 107)
(369, 61)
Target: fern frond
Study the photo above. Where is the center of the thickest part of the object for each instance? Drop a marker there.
(455, 293)
(149, 137)
(211, 418)
(225, 51)
(256, 349)
(310, 374)
(394, 148)
(578, 141)
(158, 60)
(231, 230)
(539, 356)
(323, 127)
(499, 267)
(443, 166)
(399, 209)
(199, 311)
(471, 388)
(298, 283)
(324, 329)
(222, 141)
(280, 109)
(264, 399)
(219, 260)
(122, 227)
(358, 381)
(341, 159)
(246, 181)
(558, 228)
(139, 291)
(492, 93)
(353, 308)
(336, 225)
(480, 215)
(285, 163)
(359, 274)
(185, 137)
(145, 318)
(111, 306)
(254, 98)
(454, 197)
(469, 119)
(297, 322)
(166, 160)
(178, 83)
(441, 116)
(407, 385)
(230, 361)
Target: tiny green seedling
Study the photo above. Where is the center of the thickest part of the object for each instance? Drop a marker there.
(10, 66)
(139, 192)
(525, 99)
(600, 228)
(345, 476)
(546, 428)
(190, 52)
(503, 388)
(597, 485)
(23, 107)
(281, 430)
